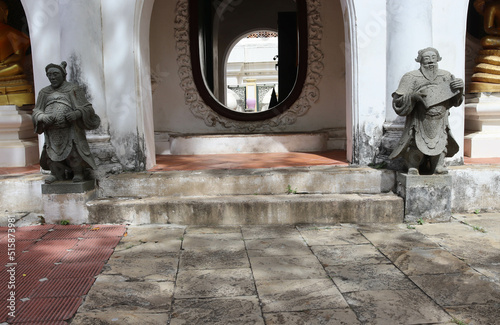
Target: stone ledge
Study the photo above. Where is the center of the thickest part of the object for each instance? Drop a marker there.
(68, 187)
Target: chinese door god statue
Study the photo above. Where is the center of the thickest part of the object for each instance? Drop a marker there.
(63, 113)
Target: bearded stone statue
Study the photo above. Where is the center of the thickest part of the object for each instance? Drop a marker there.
(425, 96)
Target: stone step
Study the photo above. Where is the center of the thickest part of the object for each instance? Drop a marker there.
(312, 180)
(250, 209)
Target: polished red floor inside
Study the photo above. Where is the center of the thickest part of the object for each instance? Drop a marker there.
(246, 161)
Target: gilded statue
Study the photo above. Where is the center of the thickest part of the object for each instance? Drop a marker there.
(63, 113)
(425, 97)
(486, 77)
(14, 87)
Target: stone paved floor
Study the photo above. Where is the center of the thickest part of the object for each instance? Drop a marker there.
(446, 273)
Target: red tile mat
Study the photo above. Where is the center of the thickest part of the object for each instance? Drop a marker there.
(97, 242)
(36, 271)
(57, 288)
(76, 270)
(22, 289)
(29, 235)
(65, 234)
(54, 244)
(47, 309)
(34, 257)
(90, 255)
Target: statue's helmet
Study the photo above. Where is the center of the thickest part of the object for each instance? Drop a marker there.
(61, 67)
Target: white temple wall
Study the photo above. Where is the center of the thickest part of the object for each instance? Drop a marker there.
(449, 20)
(171, 114)
(367, 50)
(125, 67)
(44, 27)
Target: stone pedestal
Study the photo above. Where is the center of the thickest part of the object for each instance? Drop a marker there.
(67, 201)
(482, 125)
(18, 141)
(425, 196)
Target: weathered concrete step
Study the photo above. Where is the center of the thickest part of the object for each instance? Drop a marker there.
(317, 179)
(250, 209)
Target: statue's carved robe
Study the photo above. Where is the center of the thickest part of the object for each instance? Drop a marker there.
(426, 127)
(62, 136)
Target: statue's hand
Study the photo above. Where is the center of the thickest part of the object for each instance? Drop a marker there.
(73, 116)
(457, 84)
(48, 119)
(418, 97)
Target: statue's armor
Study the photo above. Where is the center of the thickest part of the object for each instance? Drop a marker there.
(431, 135)
(59, 136)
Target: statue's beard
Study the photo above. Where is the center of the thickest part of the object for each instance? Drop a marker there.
(429, 70)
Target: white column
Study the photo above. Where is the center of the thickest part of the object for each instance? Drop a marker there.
(366, 53)
(44, 27)
(409, 29)
(126, 70)
(81, 48)
(449, 28)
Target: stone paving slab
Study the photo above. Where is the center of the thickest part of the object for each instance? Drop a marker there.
(114, 293)
(275, 247)
(476, 314)
(287, 268)
(349, 278)
(230, 311)
(266, 232)
(223, 241)
(395, 307)
(214, 283)
(332, 236)
(148, 267)
(313, 317)
(350, 254)
(449, 289)
(299, 295)
(419, 261)
(134, 317)
(208, 258)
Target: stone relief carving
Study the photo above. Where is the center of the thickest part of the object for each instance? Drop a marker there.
(310, 91)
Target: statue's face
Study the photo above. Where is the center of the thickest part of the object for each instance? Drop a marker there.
(429, 60)
(56, 77)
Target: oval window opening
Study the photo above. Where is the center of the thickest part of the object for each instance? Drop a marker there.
(249, 57)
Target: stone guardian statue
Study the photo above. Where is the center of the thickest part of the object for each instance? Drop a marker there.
(63, 114)
(425, 96)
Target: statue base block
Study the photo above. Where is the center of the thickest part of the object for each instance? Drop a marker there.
(426, 197)
(67, 201)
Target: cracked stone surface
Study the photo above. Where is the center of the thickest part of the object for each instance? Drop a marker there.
(443, 273)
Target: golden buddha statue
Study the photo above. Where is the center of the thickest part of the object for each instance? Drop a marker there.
(14, 87)
(486, 77)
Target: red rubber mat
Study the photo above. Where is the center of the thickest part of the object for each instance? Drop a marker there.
(55, 267)
(46, 309)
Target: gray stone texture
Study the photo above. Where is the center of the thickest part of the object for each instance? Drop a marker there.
(426, 197)
(436, 273)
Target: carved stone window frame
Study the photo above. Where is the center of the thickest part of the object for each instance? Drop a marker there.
(309, 93)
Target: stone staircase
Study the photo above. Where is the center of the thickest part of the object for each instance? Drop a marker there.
(293, 195)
